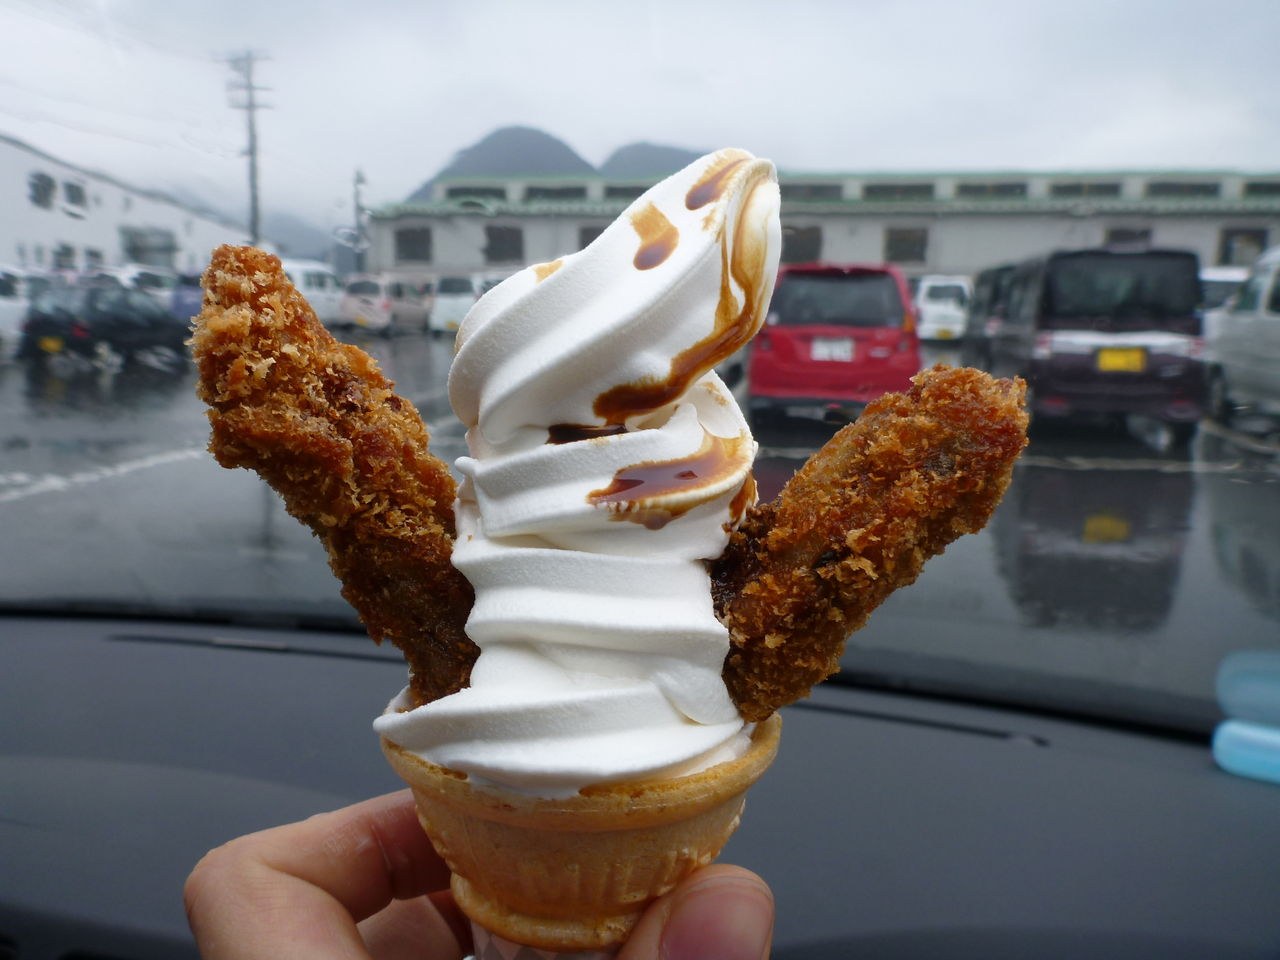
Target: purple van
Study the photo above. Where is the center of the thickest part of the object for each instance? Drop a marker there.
(1106, 331)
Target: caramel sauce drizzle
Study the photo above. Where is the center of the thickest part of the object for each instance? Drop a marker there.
(559, 433)
(742, 500)
(658, 237)
(711, 186)
(544, 270)
(734, 322)
(632, 494)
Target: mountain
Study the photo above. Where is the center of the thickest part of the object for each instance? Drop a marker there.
(647, 161)
(509, 152)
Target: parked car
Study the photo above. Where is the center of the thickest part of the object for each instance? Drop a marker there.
(102, 324)
(455, 295)
(987, 308)
(942, 304)
(836, 337)
(316, 281)
(1244, 355)
(17, 287)
(1219, 285)
(187, 297)
(1107, 332)
(156, 282)
(376, 302)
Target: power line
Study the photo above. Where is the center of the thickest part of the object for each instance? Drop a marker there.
(242, 65)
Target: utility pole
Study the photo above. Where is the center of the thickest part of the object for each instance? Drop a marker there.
(242, 65)
(359, 244)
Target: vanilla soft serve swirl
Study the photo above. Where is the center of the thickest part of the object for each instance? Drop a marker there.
(607, 463)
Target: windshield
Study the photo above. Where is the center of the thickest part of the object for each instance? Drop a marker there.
(455, 285)
(438, 147)
(847, 300)
(1123, 286)
(1218, 292)
(947, 293)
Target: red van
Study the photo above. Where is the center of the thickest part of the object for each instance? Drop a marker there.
(836, 337)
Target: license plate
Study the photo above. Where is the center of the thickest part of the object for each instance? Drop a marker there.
(1122, 360)
(51, 344)
(945, 334)
(1106, 528)
(361, 321)
(826, 348)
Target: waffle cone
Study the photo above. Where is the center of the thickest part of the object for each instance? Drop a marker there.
(575, 873)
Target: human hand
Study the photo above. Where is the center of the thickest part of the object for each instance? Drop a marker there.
(364, 882)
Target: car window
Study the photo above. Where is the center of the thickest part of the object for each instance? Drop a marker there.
(854, 300)
(1250, 295)
(947, 293)
(1273, 302)
(455, 285)
(1103, 285)
(365, 287)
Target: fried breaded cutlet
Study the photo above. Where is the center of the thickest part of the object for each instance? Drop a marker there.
(320, 423)
(857, 521)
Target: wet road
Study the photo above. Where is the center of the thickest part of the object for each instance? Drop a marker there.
(1116, 573)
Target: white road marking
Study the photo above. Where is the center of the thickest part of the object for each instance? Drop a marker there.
(57, 483)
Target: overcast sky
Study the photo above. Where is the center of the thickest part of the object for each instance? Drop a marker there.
(138, 88)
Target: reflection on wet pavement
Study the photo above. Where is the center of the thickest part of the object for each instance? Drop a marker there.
(1119, 566)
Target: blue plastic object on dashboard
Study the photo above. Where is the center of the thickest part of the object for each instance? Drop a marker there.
(1248, 686)
(1248, 749)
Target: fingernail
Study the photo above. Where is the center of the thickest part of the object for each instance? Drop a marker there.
(722, 918)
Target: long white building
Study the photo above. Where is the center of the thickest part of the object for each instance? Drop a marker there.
(58, 216)
(925, 222)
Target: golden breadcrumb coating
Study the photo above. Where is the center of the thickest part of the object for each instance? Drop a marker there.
(857, 521)
(320, 423)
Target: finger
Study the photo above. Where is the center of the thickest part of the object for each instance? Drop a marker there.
(404, 928)
(721, 912)
(298, 890)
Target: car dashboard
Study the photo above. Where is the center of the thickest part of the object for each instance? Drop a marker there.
(892, 825)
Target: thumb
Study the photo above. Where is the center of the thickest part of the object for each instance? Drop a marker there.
(721, 912)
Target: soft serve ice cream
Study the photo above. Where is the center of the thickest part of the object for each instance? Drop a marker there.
(608, 463)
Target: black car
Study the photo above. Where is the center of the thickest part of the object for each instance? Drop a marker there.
(101, 323)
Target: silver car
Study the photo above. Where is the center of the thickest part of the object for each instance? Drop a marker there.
(1244, 352)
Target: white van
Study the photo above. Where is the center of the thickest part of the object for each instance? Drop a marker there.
(455, 295)
(1244, 353)
(317, 282)
(942, 307)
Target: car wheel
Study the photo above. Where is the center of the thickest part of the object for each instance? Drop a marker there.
(1221, 407)
(1181, 434)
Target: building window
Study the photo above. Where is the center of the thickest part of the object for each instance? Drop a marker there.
(1262, 188)
(480, 193)
(810, 191)
(801, 244)
(503, 245)
(1183, 188)
(413, 244)
(1127, 236)
(1240, 247)
(42, 188)
(994, 190)
(897, 191)
(1084, 188)
(93, 258)
(620, 192)
(64, 257)
(906, 244)
(555, 193)
(588, 233)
